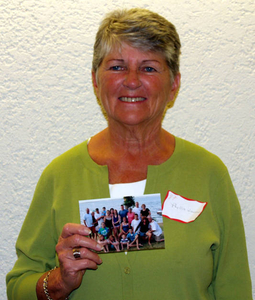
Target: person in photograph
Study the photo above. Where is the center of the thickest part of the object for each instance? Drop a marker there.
(124, 227)
(116, 223)
(104, 231)
(155, 230)
(113, 243)
(136, 78)
(123, 212)
(124, 242)
(112, 212)
(103, 213)
(95, 224)
(108, 221)
(145, 233)
(130, 215)
(99, 218)
(137, 209)
(88, 221)
(104, 243)
(133, 239)
(135, 224)
(145, 212)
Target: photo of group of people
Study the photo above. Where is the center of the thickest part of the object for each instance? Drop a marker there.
(129, 223)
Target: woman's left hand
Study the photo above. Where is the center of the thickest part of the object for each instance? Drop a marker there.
(63, 280)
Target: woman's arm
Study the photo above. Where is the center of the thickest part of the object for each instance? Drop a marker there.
(63, 280)
(231, 277)
(37, 241)
(113, 223)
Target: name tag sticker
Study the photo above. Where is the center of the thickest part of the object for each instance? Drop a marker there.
(178, 208)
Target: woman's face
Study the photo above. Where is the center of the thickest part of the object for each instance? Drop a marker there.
(134, 86)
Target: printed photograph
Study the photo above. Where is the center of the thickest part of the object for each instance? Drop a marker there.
(131, 223)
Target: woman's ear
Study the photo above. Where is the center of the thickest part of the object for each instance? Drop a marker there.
(174, 89)
(176, 84)
(94, 81)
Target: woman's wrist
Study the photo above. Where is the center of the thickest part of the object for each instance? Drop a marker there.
(49, 287)
(45, 284)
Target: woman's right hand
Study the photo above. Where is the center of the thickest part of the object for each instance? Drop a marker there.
(69, 275)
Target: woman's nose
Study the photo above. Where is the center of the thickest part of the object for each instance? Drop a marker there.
(132, 79)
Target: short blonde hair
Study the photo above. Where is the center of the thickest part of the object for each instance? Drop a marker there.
(141, 29)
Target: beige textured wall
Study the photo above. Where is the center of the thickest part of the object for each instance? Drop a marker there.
(47, 102)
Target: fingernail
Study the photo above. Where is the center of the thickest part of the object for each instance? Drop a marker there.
(100, 247)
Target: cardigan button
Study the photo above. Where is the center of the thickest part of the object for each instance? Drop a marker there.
(127, 270)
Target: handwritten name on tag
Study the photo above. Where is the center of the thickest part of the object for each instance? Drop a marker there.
(181, 209)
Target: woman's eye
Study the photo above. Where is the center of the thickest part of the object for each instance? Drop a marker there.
(116, 68)
(149, 69)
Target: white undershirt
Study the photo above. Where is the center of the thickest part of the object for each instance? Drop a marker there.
(120, 190)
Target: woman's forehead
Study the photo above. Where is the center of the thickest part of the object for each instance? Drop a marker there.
(124, 50)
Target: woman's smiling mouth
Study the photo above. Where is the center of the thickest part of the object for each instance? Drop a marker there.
(132, 99)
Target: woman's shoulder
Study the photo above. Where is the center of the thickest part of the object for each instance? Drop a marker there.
(68, 160)
(190, 149)
(72, 154)
(188, 153)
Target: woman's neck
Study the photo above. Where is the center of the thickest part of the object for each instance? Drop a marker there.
(128, 154)
(135, 137)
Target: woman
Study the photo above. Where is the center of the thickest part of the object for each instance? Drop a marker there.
(136, 77)
(108, 221)
(124, 227)
(112, 212)
(145, 212)
(130, 215)
(116, 223)
(95, 224)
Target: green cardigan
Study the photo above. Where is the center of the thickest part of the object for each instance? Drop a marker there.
(204, 259)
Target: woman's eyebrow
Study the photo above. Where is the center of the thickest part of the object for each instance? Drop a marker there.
(115, 59)
(120, 60)
(151, 60)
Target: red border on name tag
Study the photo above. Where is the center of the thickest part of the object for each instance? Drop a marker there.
(185, 199)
